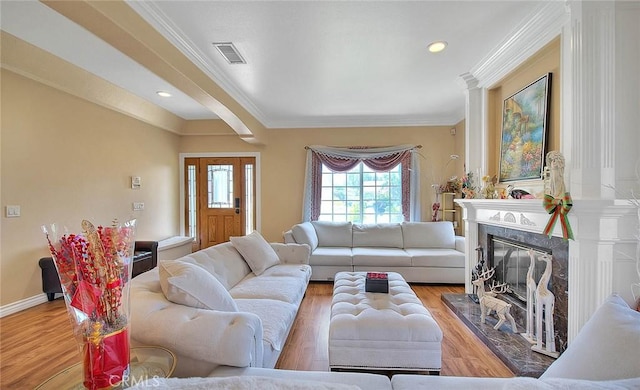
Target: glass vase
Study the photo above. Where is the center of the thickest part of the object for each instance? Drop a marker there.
(94, 269)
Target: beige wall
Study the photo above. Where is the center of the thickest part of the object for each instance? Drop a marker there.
(64, 159)
(283, 160)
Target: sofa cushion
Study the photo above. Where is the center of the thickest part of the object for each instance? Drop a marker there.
(190, 285)
(331, 256)
(222, 261)
(333, 233)
(289, 287)
(277, 316)
(305, 233)
(436, 257)
(381, 257)
(256, 251)
(381, 235)
(605, 346)
(429, 235)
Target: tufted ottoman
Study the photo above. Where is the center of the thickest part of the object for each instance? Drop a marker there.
(379, 331)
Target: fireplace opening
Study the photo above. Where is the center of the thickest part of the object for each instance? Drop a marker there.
(511, 261)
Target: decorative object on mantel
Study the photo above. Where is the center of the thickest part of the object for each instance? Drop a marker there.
(94, 270)
(531, 296)
(489, 302)
(489, 187)
(525, 118)
(468, 187)
(545, 302)
(557, 201)
(518, 194)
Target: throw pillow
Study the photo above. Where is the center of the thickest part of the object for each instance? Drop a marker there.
(257, 252)
(188, 284)
(606, 348)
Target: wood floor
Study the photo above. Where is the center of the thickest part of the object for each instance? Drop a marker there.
(37, 342)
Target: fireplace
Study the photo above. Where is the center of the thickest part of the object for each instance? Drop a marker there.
(511, 261)
(506, 249)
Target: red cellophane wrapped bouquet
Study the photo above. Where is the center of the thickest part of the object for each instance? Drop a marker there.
(94, 270)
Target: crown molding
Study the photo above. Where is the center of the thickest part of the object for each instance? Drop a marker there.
(363, 121)
(543, 25)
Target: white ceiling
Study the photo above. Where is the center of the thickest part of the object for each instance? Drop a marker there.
(309, 63)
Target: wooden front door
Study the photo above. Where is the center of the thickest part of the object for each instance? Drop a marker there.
(224, 199)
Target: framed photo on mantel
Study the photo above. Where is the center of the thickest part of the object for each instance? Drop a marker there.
(525, 122)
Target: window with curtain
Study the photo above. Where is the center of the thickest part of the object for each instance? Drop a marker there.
(361, 184)
(361, 195)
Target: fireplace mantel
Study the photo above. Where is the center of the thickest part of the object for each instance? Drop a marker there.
(601, 258)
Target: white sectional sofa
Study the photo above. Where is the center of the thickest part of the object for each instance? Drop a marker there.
(604, 355)
(230, 304)
(427, 252)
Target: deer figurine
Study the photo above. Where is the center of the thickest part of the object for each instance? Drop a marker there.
(489, 302)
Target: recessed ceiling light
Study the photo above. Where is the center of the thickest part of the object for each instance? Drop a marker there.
(163, 93)
(437, 46)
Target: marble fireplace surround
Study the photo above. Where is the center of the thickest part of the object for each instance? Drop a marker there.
(558, 248)
(601, 259)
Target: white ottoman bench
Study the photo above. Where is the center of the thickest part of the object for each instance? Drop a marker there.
(378, 331)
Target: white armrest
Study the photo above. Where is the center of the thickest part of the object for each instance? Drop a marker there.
(227, 338)
(288, 237)
(460, 244)
(292, 253)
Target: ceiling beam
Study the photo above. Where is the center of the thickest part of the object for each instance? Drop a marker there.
(119, 25)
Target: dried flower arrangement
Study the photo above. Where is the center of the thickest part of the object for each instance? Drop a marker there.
(94, 271)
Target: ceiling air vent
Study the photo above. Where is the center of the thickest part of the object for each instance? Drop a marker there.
(229, 52)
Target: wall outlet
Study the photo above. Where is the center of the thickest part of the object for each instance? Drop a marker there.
(138, 206)
(12, 211)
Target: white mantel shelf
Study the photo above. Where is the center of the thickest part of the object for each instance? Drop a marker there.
(601, 257)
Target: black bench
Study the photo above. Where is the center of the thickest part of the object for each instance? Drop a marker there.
(145, 257)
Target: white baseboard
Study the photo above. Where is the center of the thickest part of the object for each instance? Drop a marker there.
(22, 305)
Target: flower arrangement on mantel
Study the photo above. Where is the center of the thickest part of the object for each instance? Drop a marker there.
(467, 185)
(94, 270)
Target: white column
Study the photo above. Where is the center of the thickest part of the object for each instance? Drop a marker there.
(475, 129)
(471, 242)
(592, 53)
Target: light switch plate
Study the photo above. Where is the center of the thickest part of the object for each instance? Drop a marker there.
(138, 206)
(12, 211)
(136, 182)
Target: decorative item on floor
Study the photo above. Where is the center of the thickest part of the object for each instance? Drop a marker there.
(377, 282)
(545, 302)
(476, 271)
(435, 207)
(489, 302)
(94, 270)
(557, 201)
(531, 296)
(525, 119)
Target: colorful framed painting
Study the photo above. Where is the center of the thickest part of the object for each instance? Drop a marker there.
(525, 122)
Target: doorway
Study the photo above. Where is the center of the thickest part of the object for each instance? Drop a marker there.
(219, 198)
